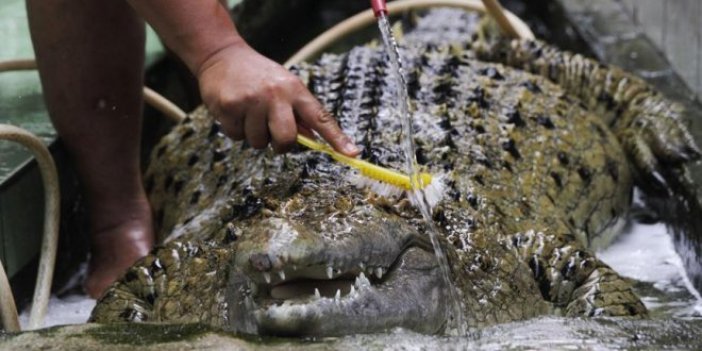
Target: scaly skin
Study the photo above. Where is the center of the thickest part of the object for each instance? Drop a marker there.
(536, 176)
(649, 126)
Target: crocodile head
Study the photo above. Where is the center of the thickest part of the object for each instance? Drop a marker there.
(328, 263)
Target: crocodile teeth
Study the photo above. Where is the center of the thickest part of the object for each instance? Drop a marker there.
(379, 272)
(361, 281)
(316, 293)
(353, 290)
(267, 277)
(362, 265)
(338, 295)
(281, 274)
(330, 272)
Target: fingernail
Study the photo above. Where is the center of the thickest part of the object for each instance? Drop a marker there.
(350, 148)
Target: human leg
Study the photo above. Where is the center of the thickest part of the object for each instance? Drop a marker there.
(90, 55)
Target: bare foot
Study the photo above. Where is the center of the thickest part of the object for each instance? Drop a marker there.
(116, 244)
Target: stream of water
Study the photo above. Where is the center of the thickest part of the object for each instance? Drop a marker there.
(417, 195)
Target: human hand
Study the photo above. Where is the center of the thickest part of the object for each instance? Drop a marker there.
(256, 99)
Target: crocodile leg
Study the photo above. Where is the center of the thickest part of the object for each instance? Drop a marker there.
(574, 280)
(145, 294)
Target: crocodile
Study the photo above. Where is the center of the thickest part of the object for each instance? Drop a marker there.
(538, 150)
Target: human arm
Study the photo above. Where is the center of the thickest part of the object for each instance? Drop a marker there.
(253, 97)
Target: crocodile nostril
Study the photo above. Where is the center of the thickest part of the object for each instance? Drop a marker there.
(261, 262)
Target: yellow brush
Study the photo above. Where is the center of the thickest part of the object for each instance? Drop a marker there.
(381, 180)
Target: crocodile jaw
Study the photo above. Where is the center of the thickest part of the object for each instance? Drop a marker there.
(411, 296)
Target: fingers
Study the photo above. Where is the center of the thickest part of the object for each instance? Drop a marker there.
(304, 130)
(233, 126)
(261, 124)
(264, 107)
(314, 115)
(255, 126)
(230, 113)
(282, 127)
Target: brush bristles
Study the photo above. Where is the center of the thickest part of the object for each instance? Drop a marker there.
(383, 176)
(432, 193)
(378, 187)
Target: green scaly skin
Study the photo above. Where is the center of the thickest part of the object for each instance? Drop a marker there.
(537, 175)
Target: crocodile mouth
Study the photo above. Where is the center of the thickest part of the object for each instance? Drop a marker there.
(322, 301)
(304, 289)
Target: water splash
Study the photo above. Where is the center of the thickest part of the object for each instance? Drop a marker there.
(401, 103)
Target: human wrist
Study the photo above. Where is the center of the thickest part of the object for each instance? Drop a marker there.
(194, 30)
(216, 54)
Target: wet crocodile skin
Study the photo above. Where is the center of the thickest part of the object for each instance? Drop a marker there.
(536, 174)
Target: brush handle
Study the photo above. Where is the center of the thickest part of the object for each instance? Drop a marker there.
(368, 169)
(303, 140)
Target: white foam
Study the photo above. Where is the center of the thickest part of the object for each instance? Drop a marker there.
(72, 309)
(646, 253)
